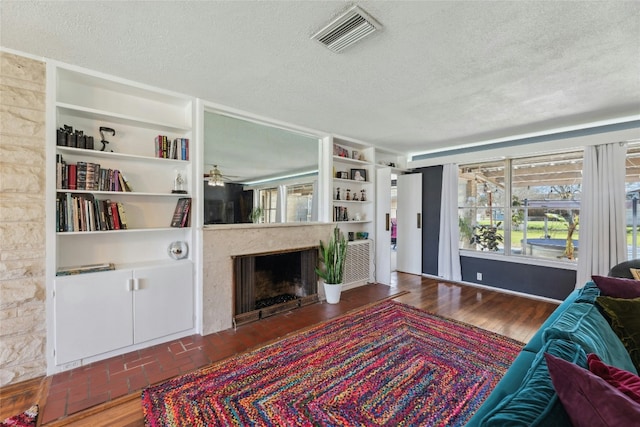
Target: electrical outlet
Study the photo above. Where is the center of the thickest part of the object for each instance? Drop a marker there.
(71, 365)
(478, 276)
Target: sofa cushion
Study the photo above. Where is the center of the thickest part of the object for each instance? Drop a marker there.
(624, 381)
(624, 316)
(509, 383)
(588, 293)
(588, 399)
(535, 402)
(617, 287)
(536, 342)
(583, 324)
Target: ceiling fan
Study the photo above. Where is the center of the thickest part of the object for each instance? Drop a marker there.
(217, 178)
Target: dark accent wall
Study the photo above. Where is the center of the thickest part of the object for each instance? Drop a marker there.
(431, 196)
(547, 282)
(537, 280)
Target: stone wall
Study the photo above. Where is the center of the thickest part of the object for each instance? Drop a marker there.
(22, 218)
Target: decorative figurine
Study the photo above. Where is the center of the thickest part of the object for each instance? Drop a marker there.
(104, 141)
(348, 194)
(363, 198)
(338, 193)
(178, 184)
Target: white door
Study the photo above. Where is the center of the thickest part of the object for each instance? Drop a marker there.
(409, 215)
(92, 314)
(163, 300)
(383, 226)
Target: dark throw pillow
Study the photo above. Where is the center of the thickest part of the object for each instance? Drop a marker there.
(588, 399)
(617, 287)
(624, 317)
(625, 381)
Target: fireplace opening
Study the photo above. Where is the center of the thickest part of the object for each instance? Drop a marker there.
(266, 284)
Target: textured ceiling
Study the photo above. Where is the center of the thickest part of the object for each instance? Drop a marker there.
(438, 75)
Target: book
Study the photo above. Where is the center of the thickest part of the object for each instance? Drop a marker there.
(186, 214)
(87, 268)
(181, 212)
(122, 216)
(71, 180)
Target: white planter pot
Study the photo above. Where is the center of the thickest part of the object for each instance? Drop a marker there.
(332, 292)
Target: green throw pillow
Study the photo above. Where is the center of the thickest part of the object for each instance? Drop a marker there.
(624, 316)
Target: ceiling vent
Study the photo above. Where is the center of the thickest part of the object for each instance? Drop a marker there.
(350, 27)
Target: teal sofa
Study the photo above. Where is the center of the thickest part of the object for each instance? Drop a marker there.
(525, 396)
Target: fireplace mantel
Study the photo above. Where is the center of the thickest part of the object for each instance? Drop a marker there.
(222, 242)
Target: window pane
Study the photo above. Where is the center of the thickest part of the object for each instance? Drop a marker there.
(545, 205)
(481, 185)
(299, 200)
(481, 196)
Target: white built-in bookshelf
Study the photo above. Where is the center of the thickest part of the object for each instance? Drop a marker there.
(147, 296)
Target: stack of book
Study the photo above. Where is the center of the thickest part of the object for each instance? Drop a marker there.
(165, 148)
(83, 212)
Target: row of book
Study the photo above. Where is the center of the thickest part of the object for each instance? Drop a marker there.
(177, 148)
(88, 176)
(82, 212)
(182, 213)
(340, 213)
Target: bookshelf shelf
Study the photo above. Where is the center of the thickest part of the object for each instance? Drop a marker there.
(129, 230)
(122, 193)
(92, 113)
(119, 156)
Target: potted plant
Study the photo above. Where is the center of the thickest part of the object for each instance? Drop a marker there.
(486, 236)
(332, 257)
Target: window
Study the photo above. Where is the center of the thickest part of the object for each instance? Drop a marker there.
(633, 199)
(522, 207)
(299, 202)
(268, 198)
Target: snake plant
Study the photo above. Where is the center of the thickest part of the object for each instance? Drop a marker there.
(332, 256)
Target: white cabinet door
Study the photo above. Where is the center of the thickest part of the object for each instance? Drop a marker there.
(92, 314)
(410, 223)
(163, 300)
(383, 226)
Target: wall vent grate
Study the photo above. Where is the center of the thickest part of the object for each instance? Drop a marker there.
(347, 29)
(356, 268)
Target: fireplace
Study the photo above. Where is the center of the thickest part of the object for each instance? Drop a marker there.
(269, 283)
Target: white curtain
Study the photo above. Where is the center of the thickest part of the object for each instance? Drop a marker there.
(603, 242)
(448, 254)
(281, 204)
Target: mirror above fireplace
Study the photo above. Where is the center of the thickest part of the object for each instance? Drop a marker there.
(251, 156)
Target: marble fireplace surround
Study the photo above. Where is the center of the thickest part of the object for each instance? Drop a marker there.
(221, 242)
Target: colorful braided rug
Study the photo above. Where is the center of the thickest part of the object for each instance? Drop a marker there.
(389, 364)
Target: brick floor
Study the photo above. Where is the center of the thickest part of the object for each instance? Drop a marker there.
(86, 386)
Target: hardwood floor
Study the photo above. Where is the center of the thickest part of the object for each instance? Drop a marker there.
(72, 398)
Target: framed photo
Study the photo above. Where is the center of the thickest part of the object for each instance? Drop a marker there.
(359, 174)
(355, 154)
(342, 175)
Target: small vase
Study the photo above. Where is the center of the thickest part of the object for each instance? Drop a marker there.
(332, 292)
